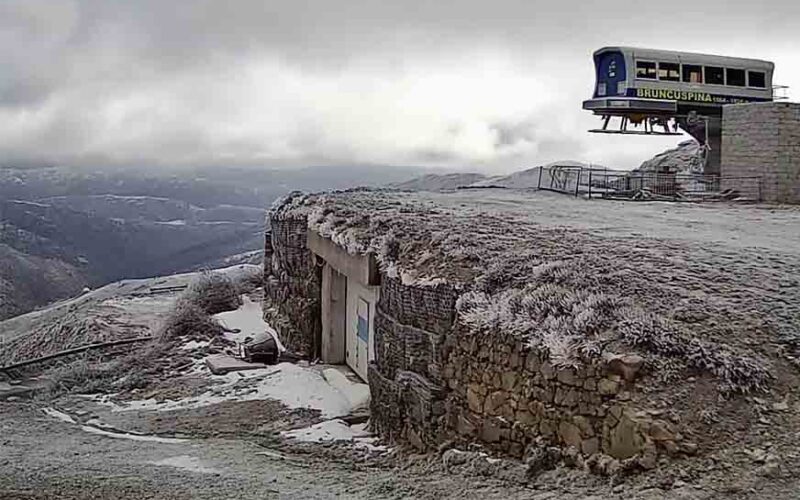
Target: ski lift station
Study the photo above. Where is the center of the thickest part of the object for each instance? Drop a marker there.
(728, 104)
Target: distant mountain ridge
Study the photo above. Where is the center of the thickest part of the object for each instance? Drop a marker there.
(27, 281)
(523, 179)
(437, 182)
(62, 229)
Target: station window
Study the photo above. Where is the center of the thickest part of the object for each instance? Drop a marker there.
(715, 75)
(670, 72)
(646, 69)
(735, 77)
(692, 73)
(757, 79)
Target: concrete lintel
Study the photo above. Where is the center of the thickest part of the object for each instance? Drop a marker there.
(362, 268)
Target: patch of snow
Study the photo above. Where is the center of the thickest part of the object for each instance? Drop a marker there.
(238, 272)
(186, 462)
(329, 430)
(246, 320)
(176, 222)
(249, 321)
(194, 344)
(131, 437)
(241, 256)
(336, 430)
(272, 454)
(292, 385)
(58, 415)
(132, 197)
(357, 394)
(29, 203)
(52, 412)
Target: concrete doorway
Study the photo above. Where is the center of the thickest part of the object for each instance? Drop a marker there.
(334, 316)
(350, 289)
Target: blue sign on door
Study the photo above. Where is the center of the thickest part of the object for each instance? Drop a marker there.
(363, 319)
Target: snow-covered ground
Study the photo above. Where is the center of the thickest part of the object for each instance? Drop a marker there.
(92, 429)
(337, 430)
(188, 463)
(293, 385)
(126, 297)
(247, 321)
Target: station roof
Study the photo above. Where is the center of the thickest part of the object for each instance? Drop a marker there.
(691, 57)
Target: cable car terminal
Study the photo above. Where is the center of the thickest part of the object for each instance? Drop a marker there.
(660, 92)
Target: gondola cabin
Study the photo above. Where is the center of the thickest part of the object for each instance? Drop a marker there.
(662, 82)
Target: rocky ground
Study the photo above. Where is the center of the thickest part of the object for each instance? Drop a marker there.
(225, 452)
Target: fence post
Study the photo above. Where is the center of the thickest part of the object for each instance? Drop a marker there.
(590, 183)
(539, 184)
(578, 182)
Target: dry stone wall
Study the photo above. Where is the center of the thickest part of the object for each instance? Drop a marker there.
(434, 381)
(763, 139)
(292, 284)
(512, 398)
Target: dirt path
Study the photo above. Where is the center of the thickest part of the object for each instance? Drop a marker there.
(48, 457)
(43, 457)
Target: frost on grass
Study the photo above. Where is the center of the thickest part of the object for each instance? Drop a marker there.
(568, 324)
(738, 372)
(576, 293)
(364, 221)
(575, 326)
(213, 292)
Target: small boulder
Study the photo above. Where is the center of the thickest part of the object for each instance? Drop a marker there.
(625, 365)
(570, 434)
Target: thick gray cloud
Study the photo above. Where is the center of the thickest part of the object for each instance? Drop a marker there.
(456, 83)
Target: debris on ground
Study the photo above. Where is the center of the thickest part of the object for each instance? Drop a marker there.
(221, 364)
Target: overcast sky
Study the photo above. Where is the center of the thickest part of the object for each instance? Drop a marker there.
(473, 84)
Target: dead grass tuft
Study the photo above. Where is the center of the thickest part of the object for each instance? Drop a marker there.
(90, 373)
(188, 320)
(214, 293)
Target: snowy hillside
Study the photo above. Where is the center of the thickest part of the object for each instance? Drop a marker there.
(687, 158)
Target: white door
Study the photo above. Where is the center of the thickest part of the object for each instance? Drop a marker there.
(358, 334)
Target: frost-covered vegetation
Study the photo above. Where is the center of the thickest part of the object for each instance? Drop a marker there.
(213, 292)
(210, 293)
(688, 306)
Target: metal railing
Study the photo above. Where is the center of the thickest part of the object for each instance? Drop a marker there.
(603, 183)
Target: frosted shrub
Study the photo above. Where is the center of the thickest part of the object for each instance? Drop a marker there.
(565, 323)
(213, 293)
(738, 372)
(574, 325)
(188, 320)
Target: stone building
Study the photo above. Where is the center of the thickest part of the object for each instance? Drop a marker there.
(476, 326)
(763, 140)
